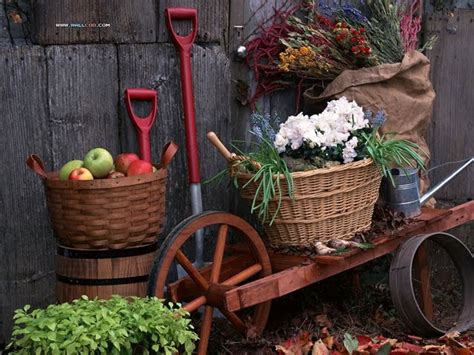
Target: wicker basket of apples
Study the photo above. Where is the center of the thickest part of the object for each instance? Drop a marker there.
(105, 203)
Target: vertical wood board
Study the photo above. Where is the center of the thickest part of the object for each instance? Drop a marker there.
(26, 243)
(82, 91)
(48, 13)
(452, 128)
(157, 67)
(130, 21)
(212, 20)
(245, 19)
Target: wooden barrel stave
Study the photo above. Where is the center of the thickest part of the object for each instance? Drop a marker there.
(103, 273)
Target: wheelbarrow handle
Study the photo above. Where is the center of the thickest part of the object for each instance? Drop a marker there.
(181, 13)
(143, 125)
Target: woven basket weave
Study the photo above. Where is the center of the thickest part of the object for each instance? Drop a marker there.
(106, 213)
(329, 203)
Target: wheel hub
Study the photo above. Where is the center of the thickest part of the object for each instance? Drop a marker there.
(215, 294)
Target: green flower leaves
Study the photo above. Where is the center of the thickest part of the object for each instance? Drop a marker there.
(115, 326)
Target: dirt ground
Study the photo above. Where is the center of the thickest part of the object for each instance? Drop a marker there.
(334, 304)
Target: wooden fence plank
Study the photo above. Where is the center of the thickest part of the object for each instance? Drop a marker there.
(26, 243)
(82, 91)
(48, 13)
(4, 33)
(130, 21)
(450, 135)
(212, 18)
(156, 66)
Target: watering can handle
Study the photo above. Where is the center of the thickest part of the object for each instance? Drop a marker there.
(438, 186)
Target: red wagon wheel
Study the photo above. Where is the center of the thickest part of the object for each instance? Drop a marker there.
(206, 286)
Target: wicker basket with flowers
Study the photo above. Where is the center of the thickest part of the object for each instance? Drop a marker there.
(316, 178)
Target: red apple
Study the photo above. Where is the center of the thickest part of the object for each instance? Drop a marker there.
(115, 175)
(123, 161)
(81, 174)
(139, 167)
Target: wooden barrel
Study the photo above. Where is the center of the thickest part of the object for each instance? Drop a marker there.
(103, 273)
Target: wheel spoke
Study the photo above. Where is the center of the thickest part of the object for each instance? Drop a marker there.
(243, 275)
(235, 320)
(218, 253)
(195, 304)
(191, 270)
(205, 330)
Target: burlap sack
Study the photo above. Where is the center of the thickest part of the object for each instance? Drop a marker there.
(403, 90)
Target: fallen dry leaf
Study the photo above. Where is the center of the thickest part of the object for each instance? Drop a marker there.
(300, 344)
(320, 348)
(363, 340)
(329, 342)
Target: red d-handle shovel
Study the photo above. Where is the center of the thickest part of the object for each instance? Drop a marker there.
(143, 125)
(183, 44)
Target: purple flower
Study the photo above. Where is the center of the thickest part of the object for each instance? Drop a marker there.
(376, 120)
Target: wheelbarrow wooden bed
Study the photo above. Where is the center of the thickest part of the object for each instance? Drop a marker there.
(248, 276)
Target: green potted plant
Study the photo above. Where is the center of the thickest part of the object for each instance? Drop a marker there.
(314, 179)
(115, 326)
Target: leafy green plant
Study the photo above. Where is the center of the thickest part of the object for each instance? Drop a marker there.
(267, 166)
(388, 152)
(115, 326)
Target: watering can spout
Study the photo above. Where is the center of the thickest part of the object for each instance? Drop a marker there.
(438, 186)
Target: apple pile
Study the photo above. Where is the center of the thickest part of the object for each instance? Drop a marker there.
(98, 163)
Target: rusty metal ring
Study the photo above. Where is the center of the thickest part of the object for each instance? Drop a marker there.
(403, 294)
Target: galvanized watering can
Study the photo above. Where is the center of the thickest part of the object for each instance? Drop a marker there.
(405, 195)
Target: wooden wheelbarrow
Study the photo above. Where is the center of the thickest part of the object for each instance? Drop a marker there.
(243, 279)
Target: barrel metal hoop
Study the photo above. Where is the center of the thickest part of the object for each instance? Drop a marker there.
(402, 289)
(102, 282)
(106, 253)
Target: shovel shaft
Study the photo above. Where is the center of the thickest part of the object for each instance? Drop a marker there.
(189, 116)
(196, 205)
(183, 44)
(142, 125)
(143, 138)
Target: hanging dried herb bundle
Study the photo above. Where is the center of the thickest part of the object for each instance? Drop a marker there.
(303, 45)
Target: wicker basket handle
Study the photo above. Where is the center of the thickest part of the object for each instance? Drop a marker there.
(35, 163)
(220, 146)
(168, 153)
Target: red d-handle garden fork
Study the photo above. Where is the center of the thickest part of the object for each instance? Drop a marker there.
(143, 125)
(183, 44)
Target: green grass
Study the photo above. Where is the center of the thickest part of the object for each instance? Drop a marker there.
(388, 152)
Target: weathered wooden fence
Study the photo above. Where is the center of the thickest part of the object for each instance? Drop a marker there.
(63, 96)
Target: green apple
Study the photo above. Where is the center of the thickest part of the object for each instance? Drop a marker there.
(99, 162)
(68, 167)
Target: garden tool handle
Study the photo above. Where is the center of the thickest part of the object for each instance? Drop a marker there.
(181, 13)
(184, 44)
(35, 163)
(143, 125)
(220, 146)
